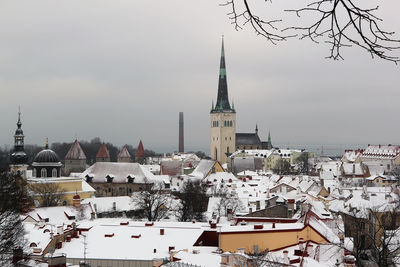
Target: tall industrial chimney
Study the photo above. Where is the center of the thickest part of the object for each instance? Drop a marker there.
(181, 142)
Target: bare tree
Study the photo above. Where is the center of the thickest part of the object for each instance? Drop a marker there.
(282, 167)
(340, 23)
(153, 202)
(227, 202)
(48, 194)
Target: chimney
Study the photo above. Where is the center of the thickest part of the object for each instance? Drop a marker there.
(76, 201)
(286, 257)
(301, 244)
(310, 249)
(181, 135)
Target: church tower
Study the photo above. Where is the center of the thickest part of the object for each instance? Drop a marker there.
(223, 119)
(19, 158)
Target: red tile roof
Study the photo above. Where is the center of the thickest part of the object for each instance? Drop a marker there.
(103, 152)
(75, 152)
(124, 153)
(140, 151)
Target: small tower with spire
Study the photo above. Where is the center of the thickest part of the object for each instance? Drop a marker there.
(19, 158)
(140, 155)
(103, 155)
(124, 155)
(223, 118)
(75, 160)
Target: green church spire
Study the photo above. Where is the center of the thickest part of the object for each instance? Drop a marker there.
(222, 98)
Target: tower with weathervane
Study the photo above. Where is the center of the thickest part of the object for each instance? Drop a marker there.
(19, 158)
(223, 119)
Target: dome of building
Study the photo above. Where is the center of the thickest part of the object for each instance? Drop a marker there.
(46, 156)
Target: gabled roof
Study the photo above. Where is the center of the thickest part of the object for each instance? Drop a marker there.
(140, 150)
(247, 139)
(381, 152)
(204, 168)
(124, 153)
(103, 152)
(75, 152)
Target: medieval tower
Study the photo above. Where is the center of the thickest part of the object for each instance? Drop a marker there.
(223, 119)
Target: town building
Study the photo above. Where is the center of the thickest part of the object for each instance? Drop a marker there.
(117, 178)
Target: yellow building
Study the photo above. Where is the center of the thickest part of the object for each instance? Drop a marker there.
(62, 190)
(273, 236)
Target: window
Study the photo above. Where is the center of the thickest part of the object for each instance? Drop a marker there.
(54, 172)
(43, 172)
(34, 172)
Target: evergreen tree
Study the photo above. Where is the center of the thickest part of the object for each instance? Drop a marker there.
(14, 200)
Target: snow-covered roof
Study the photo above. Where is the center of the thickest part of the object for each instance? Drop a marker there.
(203, 168)
(105, 204)
(381, 152)
(119, 170)
(134, 241)
(352, 168)
(62, 214)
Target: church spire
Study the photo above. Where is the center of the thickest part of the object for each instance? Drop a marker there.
(222, 98)
(19, 156)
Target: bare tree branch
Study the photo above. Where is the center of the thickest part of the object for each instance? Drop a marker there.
(339, 23)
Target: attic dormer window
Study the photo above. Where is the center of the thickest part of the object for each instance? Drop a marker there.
(130, 179)
(109, 178)
(89, 178)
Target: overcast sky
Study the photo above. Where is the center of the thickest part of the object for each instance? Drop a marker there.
(122, 71)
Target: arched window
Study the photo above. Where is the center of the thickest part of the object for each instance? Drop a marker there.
(43, 173)
(54, 172)
(230, 123)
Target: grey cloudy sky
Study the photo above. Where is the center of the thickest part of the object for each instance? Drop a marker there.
(122, 70)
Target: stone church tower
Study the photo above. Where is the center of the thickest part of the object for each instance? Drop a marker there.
(223, 119)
